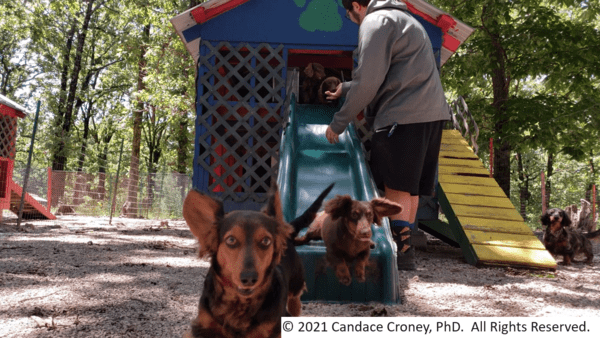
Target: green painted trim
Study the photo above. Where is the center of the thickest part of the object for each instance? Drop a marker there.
(440, 230)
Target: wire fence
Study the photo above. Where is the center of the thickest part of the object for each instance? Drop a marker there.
(147, 195)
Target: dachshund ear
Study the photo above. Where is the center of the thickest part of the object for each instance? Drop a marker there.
(545, 218)
(273, 207)
(202, 214)
(383, 207)
(319, 71)
(284, 230)
(339, 206)
(308, 71)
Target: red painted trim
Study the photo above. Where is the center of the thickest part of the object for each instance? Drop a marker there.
(6, 172)
(300, 60)
(444, 22)
(202, 14)
(6, 110)
(426, 17)
(317, 51)
(450, 43)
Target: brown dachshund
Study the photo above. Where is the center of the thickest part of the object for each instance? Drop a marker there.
(256, 275)
(329, 84)
(345, 228)
(314, 73)
(561, 239)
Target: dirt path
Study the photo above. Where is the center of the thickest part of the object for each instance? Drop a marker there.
(81, 277)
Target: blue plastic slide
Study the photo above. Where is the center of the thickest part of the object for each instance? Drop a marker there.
(308, 164)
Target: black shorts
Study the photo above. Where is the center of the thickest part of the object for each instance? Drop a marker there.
(408, 159)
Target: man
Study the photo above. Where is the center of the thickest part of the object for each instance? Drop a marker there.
(398, 83)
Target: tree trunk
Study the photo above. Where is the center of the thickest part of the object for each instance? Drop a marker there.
(103, 163)
(501, 86)
(60, 158)
(592, 178)
(549, 173)
(134, 168)
(523, 186)
(81, 178)
(183, 152)
(58, 179)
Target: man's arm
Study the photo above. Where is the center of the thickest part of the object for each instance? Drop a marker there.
(374, 56)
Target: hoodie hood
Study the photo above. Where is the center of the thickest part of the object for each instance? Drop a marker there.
(376, 5)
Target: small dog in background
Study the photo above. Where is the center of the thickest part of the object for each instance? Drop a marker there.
(329, 84)
(345, 227)
(561, 239)
(314, 73)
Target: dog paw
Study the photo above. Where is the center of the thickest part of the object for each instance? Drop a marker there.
(346, 280)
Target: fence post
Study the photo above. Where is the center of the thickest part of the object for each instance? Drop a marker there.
(114, 199)
(543, 193)
(24, 191)
(49, 194)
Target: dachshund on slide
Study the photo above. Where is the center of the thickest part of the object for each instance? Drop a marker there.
(561, 239)
(345, 227)
(256, 275)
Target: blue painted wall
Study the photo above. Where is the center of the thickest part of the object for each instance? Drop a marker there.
(297, 24)
(310, 23)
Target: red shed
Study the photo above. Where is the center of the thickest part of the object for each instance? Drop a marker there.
(10, 192)
(9, 112)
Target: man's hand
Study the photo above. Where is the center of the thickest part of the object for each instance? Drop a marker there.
(332, 137)
(335, 95)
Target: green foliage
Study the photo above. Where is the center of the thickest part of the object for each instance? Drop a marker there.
(545, 51)
(547, 54)
(34, 40)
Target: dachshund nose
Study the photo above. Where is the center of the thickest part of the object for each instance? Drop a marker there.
(249, 277)
(366, 232)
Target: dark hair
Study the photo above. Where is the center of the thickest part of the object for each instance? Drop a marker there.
(348, 3)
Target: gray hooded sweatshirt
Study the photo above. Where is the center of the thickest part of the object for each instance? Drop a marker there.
(396, 78)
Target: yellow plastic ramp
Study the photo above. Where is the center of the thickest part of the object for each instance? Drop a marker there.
(482, 219)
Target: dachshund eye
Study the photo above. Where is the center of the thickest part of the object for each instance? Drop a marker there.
(266, 242)
(355, 215)
(231, 241)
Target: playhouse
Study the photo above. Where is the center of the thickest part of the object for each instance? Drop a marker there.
(10, 192)
(251, 126)
(10, 112)
(249, 54)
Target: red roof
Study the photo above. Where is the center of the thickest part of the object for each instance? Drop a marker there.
(11, 108)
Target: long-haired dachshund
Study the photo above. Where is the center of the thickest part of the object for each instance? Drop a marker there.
(256, 275)
(314, 73)
(561, 239)
(329, 84)
(345, 228)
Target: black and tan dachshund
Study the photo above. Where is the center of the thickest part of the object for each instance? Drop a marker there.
(562, 239)
(256, 275)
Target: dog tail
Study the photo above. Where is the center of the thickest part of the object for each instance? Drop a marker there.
(310, 214)
(594, 236)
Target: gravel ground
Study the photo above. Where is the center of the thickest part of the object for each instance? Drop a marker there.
(81, 277)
